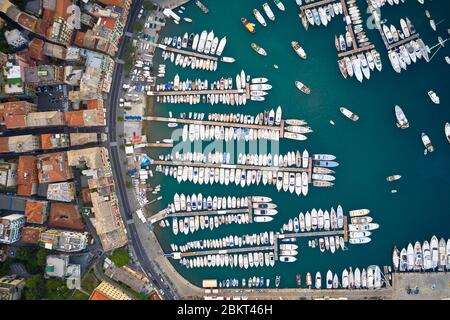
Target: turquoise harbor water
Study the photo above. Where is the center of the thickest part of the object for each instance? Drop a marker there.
(368, 150)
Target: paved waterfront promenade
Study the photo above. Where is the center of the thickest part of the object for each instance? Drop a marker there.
(440, 281)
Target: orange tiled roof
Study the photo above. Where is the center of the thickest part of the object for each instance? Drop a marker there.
(35, 49)
(26, 175)
(46, 142)
(53, 167)
(35, 211)
(117, 3)
(48, 15)
(95, 104)
(74, 118)
(4, 144)
(15, 121)
(62, 9)
(107, 22)
(26, 21)
(31, 234)
(65, 215)
(79, 38)
(97, 295)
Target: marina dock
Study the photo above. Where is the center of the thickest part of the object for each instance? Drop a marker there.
(383, 36)
(355, 49)
(185, 52)
(163, 214)
(279, 128)
(308, 170)
(204, 92)
(316, 4)
(227, 251)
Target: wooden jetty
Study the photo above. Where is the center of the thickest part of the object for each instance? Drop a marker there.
(227, 251)
(159, 145)
(316, 4)
(200, 92)
(383, 36)
(186, 53)
(327, 233)
(355, 49)
(401, 42)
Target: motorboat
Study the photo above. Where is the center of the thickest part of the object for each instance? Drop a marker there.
(427, 142)
(349, 114)
(287, 259)
(268, 11)
(318, 282)
(279, 5)
(361, 240)
(359, 212)
(395, 258)
(260, 50)
(402, 121)
(248, 25)
(298, 49)
(393, 57)
(393, 177)
(303, 88)
(434, 97)
(220, 46)
(259, 17)
(361, 220)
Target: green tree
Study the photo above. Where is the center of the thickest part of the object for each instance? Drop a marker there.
(56, 289)
(35, 287)
(24, 254)
(4, 267)
(41, 257)
(148, 6)
(27, 256)
(138, 26)
(120, 257)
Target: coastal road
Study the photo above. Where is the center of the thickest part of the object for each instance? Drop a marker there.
(116, 160)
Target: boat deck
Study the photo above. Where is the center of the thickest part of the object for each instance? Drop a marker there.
(187, 53)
